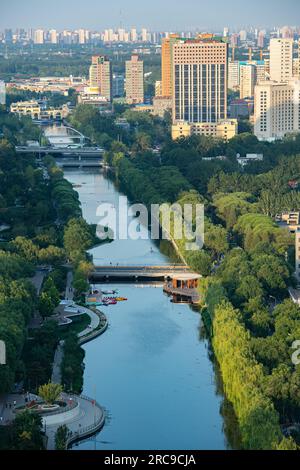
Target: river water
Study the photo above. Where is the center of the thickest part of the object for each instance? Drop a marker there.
(151, 369)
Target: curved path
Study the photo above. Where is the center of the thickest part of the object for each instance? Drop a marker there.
(88, 420)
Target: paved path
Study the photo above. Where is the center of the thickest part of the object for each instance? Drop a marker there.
(8, 403)
(69, 295)
(58, 357)
(89, 415)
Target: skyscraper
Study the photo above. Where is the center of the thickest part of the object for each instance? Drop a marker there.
(134, 80)
(200, 87)
(166, 64)
(200, 80)
(101, 76)
(281, 59)
(248, 78)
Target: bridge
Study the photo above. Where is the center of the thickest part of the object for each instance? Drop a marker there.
(138, 273)
(78, 163)
(62, 151)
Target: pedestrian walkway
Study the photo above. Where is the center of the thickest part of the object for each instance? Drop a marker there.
(90, 418)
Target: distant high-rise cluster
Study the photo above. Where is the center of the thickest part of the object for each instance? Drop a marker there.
(80, 36)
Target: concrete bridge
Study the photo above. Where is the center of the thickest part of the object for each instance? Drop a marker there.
(78, 163)
(62, 151)
(137, 272)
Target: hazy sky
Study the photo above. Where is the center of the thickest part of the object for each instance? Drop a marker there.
(153, 14)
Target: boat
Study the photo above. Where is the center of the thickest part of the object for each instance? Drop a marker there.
(107, 292)
(121, 299)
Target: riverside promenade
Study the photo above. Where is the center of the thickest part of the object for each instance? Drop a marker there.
(88, 417)
(82, 421)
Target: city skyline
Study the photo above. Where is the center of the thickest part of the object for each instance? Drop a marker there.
(195, 15)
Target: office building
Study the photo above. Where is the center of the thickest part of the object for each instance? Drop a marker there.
(276, 109)
(281, 59)
(101, 76)
(134, 85)
(199, 83)
(2, 93)
(247, 80)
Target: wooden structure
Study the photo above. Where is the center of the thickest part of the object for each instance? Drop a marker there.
(183, 287)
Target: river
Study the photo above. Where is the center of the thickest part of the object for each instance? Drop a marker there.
(151, 369)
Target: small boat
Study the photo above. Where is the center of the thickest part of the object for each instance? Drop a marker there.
(106, 292)
(121, 299)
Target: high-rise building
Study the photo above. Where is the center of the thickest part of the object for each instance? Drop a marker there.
(243, 35)
(39, 36)
(276, 109)
(247, 80)
(121, 34)
(118, 85)
(101, 76)
(261, 39)
(133, 35)
(81, 36)
(8, 36)
(296, 68)
(281, 59)
(2, 93)
(144, 35)
(200, 80)
(166, 64)
(53, 36)
(158, 88)
(225, 32)
(233, 74)
(134, 85)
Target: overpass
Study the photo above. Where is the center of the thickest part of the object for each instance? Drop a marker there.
(62, 151)
(137, 273)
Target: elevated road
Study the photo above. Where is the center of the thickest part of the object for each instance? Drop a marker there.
(138, 273)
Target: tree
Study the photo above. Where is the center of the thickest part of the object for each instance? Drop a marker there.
(27, 431)
(77, 239)
(50, 392)
(61, 437)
